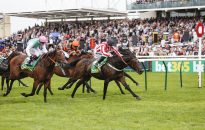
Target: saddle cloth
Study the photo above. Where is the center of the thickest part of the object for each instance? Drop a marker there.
(3, 64)
(26, 65)
(97, 68)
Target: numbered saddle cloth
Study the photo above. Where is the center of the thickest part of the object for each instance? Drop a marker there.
(31, 66)
(96, 68)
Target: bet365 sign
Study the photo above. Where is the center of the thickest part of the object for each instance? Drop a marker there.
(174, 66)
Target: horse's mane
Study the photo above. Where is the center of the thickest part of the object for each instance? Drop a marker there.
(13, 54)
(50, 53)
(126, 52)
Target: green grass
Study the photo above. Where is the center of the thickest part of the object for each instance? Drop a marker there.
(174, 109)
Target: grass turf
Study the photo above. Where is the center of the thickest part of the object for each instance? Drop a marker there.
(177, 108)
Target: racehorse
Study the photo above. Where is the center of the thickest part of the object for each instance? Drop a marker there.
(69, 72)
(112, 70)
(5, 72)
(58, 70)
(41, 74)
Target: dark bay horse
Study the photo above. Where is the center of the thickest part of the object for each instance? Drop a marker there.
(69, 72)
(58, 70)
(41, 74)
(112, 70)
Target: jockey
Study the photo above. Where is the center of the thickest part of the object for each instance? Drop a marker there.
(103, 50)
(36, 47)
(74, 48)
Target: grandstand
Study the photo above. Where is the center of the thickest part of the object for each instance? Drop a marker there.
(4, 25)
(167, 8)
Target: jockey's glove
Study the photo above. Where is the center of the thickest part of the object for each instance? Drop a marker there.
(34, 57)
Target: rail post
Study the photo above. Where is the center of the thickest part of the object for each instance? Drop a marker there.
(181, 73)
(145, 70)
(165, 86)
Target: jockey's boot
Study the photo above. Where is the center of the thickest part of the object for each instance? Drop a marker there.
(30, 61)
(98, 64)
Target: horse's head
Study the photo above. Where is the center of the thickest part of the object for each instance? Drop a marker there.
(131, 60)
(57, 56)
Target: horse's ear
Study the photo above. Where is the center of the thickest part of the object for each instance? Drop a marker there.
(58, 47)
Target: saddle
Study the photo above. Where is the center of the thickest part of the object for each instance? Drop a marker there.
(97, 69)
(31, 66)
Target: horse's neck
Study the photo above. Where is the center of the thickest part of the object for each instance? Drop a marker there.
(47, 62)
(117, 62)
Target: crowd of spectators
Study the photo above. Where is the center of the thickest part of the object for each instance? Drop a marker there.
(149, 37)
(154, 1)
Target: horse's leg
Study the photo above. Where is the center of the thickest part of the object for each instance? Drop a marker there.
(46, 86)
(9, 87)
(35, 85)
(25, 85)
(65, 85)
(128, 76)
(70, 85)
(2, 82)
(83, 90)
(106, 82)
(122, 80)
(119, 86)
(89, 87)
(81, 81)
(49, 88)
(39, 88)
(7, 82)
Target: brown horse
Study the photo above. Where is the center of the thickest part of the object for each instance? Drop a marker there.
(58, 70)
(41, 74)
(112, 70)
(69, 72)
(4, 73)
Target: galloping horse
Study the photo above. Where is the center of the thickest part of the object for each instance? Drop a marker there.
(112, 70)
(58, 70)
(41, 74)
(5, 73)
(69, 72)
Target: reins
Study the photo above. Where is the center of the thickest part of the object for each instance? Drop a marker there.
(119, 55)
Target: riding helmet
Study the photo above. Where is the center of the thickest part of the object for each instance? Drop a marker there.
(110, 42)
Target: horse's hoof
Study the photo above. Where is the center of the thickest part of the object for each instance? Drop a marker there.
(23, 94)
(60, 88)
(67, 87)
(138, 98)
(88, 91)
(72, 96)
(123, 93)
(5, 94)
(137, 84)
(93, 91)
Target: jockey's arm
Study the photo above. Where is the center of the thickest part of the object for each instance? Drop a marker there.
(44, 49)
(30, 45)
(103, 48)
(116, 51)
